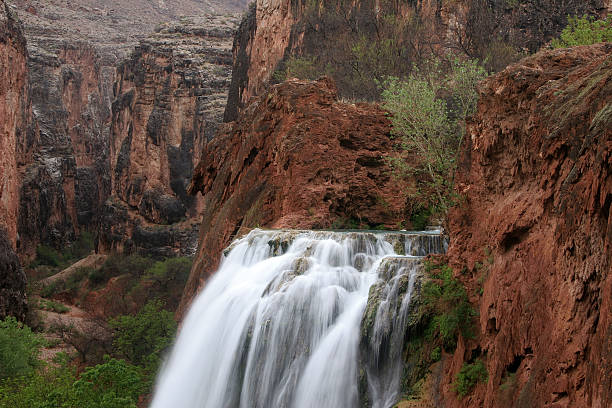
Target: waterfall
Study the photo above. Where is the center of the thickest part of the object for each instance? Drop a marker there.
(296, 319)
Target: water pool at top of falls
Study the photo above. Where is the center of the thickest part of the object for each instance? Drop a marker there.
(280, 323)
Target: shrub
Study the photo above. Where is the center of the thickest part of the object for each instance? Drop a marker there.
(584, 30)
(445, 298)
(46, 255)
(113, 384)
(19, 349)
(143, 338)
(298, 67)
(116, 265)
(468, 376)
(428, 112)
(170, 270)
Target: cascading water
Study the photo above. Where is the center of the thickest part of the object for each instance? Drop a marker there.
(282, 322)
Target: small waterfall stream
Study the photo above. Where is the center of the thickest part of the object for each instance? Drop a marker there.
(292, 318)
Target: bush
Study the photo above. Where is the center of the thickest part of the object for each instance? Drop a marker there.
(19, 349)
(113, 384)
(170, 270)
(142, 339)
(298, 67)
(116, 265)
(584, 30)
(46, 255)
(428, 112)
(468, 376)
(445, 299)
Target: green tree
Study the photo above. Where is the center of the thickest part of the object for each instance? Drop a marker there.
(584, 30)
(143, 338)
(19, 349)
(469, 376)
(428, 112)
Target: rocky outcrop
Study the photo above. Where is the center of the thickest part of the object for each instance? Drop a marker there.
(298, 158)
(274, 30)
(169, 101)
(14, 116)
(536, 177)
(12, 281)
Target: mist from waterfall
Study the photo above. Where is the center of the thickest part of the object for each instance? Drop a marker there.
(280, 323)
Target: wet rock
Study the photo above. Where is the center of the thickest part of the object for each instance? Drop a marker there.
(13, 301)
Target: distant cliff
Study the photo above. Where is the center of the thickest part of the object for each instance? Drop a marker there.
(350, 40)
(169, 101)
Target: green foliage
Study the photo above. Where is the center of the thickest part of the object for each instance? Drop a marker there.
(116, 265)
(428, 111)
(436, 354)
(142, 339)
(114, 384)
(445, 298)
(52, 306)
(468, 376)
(298, 67)
(83, 246)
(19, 349)
(46, 255)
(419, 217)
(169, 270)
(584, 30)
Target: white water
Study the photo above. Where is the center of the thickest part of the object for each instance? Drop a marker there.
(279, 324)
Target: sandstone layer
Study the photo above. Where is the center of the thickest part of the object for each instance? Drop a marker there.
(298, 158)
(14, 116)
(169, 101)
(535, 232)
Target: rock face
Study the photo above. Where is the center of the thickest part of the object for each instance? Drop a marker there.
(66, 182)
(274, 30)
(12, 281)
(14, 116)
(169, 100)
(537, 180)
(298, 158)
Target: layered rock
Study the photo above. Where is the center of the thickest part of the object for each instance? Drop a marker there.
(274, 30)
(298, 158)
(169, 101)
(536, 176)
(14, 116)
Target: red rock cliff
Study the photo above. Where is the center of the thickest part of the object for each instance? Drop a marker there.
(14, 116)
(298, 158)
(537, 181)
(274, 30)
(14, 119)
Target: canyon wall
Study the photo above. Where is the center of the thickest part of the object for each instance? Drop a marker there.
(14, 116)
(66, 181)
(298, 158)
(534, 234)
(169, 101)
(273, 31)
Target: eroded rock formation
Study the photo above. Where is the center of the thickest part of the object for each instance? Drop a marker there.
(537, 180)
(170, 96)
(298, 158)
